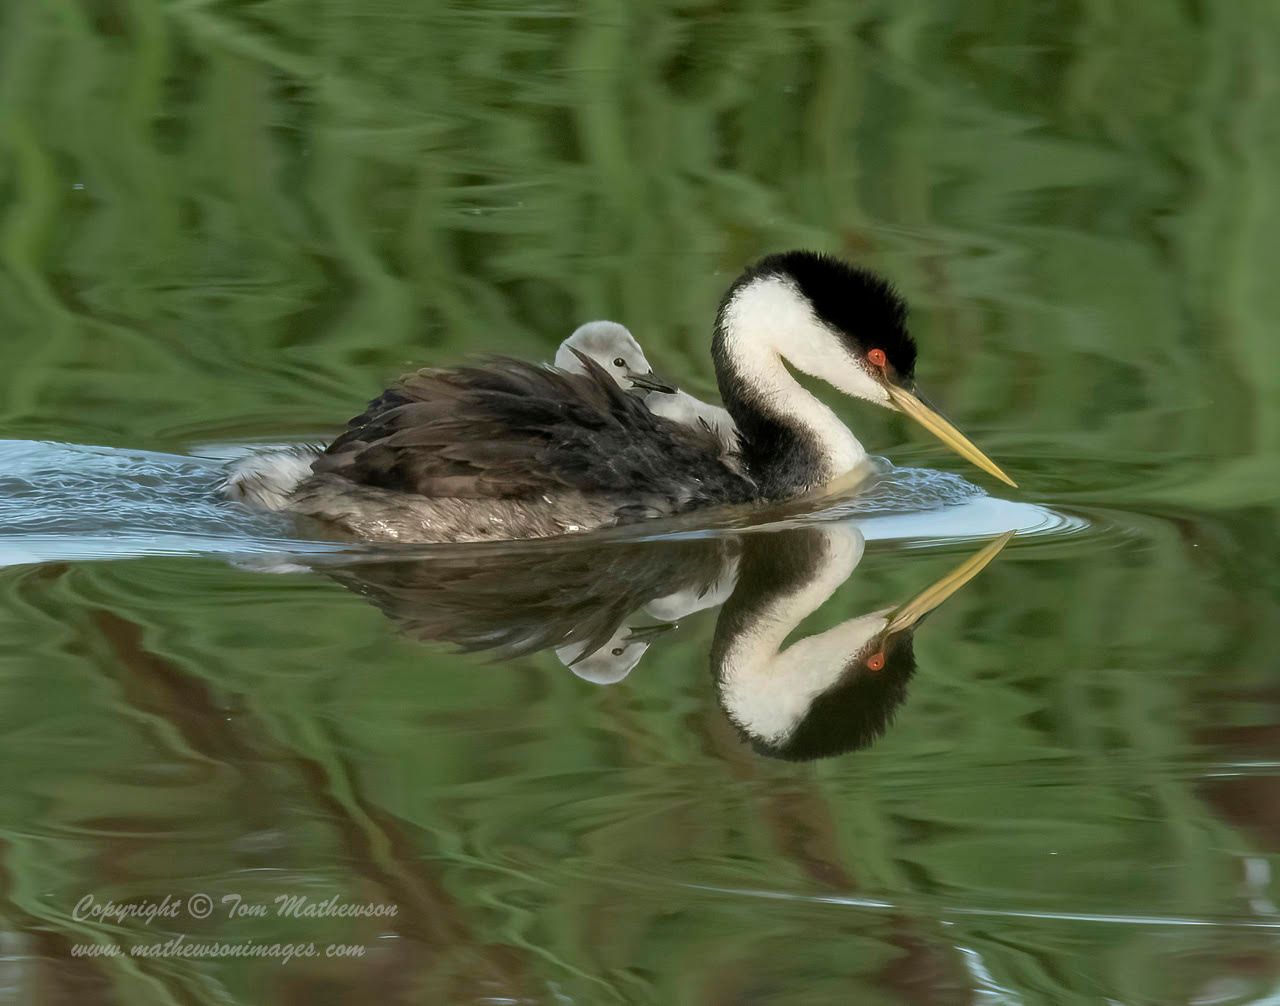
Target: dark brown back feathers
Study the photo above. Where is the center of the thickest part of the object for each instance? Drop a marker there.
(513, 429)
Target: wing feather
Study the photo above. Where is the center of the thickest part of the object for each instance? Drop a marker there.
(513, 429)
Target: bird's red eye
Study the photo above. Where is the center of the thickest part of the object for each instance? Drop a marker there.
(877, 358)
(875, 662)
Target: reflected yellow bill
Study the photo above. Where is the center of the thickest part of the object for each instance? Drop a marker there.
(928, 599)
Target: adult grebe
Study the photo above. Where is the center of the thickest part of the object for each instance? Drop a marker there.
(519, 450)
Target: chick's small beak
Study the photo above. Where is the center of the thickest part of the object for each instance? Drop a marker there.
(648, 633)
(650, 382)
(928, 417)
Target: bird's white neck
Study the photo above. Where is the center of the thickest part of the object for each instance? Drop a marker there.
(762, 324)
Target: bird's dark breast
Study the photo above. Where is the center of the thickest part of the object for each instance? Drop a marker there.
(779, 457)
(517, 430)
(782, 459)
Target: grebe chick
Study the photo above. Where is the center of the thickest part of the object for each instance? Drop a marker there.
(681, 407)
(511, 449)
(614, 347)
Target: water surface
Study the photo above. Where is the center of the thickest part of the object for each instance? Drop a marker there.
(232, 223)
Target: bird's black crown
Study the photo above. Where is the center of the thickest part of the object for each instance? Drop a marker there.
(857, 304)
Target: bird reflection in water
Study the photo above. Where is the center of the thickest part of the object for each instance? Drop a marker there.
(601, 606)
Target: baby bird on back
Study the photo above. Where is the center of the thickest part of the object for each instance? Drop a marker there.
(614, 347)
(265, 478)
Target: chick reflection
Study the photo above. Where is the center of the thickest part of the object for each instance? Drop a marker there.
(610, 663)
(601, 607)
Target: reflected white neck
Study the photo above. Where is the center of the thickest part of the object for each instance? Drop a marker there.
(767, 690)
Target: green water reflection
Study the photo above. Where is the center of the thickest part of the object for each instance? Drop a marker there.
(236, 220)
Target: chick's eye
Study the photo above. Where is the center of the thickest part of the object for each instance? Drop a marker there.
(619, 361)
(616, 651)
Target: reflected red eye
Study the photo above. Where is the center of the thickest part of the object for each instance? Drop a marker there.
(875, 662)
(877, 358)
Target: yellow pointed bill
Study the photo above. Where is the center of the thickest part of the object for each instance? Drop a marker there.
(928, 599)
(944, 431)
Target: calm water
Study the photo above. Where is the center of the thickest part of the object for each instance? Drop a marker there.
(225, 223)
